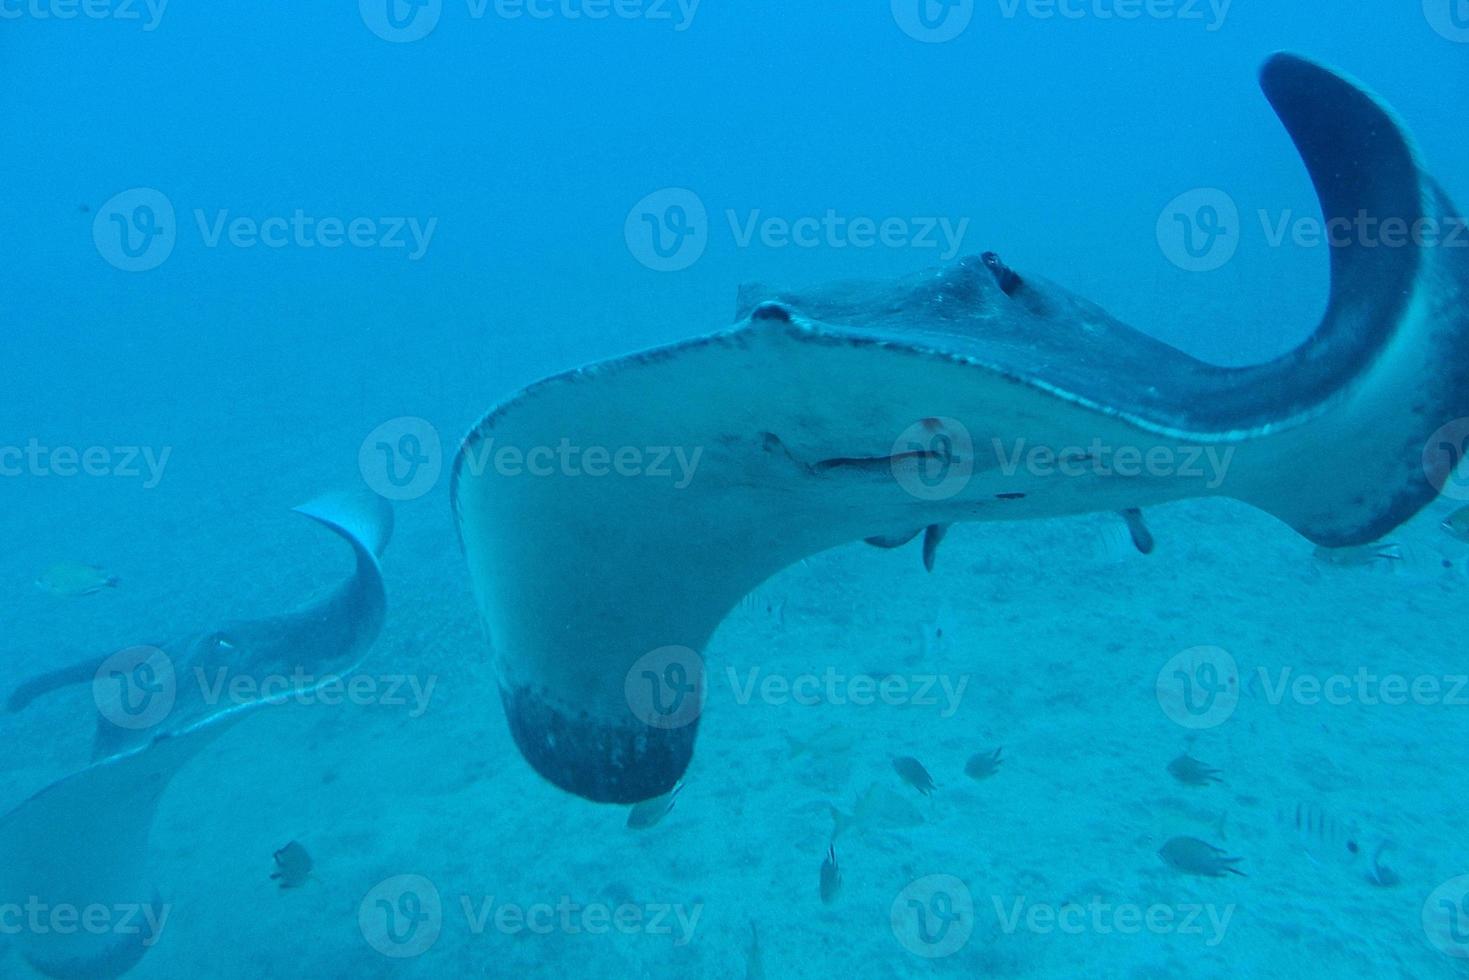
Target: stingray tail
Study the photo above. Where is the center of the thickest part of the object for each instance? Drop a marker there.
(1382, 445)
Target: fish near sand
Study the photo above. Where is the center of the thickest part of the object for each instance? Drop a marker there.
(1456, 525)
(879, 808)
(809, 407)
(650, 813)
(1191, 772)
(1358, 556)
(911, 771)
(831, 876)
(832, 740)
(74, 579)
(1195, 857)
(754, 960)
(983, 765)
(83, 840)
(293, 866)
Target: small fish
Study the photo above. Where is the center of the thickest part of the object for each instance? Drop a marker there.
(73, 579)
(1456, 525)
(934, 637)
(878, 808)
(754, 963)
(1321, 835)
(293, 866)
(832, 740)
(982, 765)
(767, 608)
(1360, 556)
(1195, 857)
(650, 812)
(1191, 772)
(912, 772)
(831, 876)
(1142, 538)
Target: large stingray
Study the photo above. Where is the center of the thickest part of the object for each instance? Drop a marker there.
(80, 845)
(869, 410)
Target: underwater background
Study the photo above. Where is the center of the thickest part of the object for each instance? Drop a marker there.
(495, 161)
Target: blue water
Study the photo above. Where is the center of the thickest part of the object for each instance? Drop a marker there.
(497, 170)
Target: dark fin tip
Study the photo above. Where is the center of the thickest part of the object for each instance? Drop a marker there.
(778, 312)
(601, 762)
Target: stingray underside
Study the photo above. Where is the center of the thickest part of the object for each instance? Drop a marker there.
(612, 516)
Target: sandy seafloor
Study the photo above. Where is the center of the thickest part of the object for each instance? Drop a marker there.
(1061, 630)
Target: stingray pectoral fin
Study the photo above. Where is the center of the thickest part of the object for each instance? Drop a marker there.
(1388, 363)
(43, 684)
(82, 844)
(612, 516)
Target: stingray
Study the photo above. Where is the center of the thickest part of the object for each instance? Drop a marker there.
(869, 410)
(82, 842)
